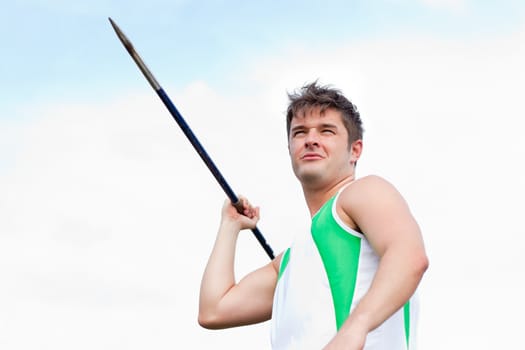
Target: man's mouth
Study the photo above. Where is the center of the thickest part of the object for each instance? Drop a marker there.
(311, 156)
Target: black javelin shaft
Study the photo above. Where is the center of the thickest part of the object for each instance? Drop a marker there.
(187, 131)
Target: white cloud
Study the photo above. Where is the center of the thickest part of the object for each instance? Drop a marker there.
(107, 215)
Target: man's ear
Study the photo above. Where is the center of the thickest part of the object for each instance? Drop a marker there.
(355, 151)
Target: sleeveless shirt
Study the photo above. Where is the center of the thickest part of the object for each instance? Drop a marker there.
(322, 277)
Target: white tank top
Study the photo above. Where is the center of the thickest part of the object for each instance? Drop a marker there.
(322, 277)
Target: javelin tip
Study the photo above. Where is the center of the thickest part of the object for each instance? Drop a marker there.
(125, 41)
(114, 25)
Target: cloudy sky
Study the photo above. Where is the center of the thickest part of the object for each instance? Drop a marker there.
(107, 215)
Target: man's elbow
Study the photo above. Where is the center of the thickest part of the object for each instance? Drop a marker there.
(212, 319)
(206, 320)
(421, 264)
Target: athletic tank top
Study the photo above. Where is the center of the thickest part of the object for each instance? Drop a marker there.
(322, 277)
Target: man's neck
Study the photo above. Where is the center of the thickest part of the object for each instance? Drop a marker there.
(317, 196)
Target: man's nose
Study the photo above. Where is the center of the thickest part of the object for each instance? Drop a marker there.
(312, 138)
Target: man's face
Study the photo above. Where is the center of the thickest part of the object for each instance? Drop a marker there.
(318, 145)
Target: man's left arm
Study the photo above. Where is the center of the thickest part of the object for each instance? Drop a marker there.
(377, 209)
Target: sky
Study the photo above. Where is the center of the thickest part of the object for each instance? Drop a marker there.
(107, 215)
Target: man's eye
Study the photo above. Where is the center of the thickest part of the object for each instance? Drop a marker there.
(298, 132)
(328, 131)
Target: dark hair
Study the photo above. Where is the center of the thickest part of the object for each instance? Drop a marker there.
(313, 95)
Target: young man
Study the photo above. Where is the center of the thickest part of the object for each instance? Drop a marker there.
(350, 282)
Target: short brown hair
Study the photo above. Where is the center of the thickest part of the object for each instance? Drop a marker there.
(314, 95)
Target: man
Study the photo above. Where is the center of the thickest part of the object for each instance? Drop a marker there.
(347, 284)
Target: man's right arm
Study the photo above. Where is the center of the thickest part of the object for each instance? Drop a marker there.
(223, 303)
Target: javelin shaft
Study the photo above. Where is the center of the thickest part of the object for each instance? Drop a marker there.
(187, 131)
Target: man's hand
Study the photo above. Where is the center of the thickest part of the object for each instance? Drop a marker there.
(247, 219)
(348, 339)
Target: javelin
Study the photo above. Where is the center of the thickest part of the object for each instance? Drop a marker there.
(187, 131)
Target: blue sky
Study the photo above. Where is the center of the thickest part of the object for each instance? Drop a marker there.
(107, 215)
(60, 49)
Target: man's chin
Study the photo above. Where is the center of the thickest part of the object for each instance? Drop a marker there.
(309, 176)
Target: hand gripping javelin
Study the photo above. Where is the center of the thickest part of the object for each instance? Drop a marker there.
(187, 131)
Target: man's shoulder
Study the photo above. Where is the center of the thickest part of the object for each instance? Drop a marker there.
(367, 185)
(368, 198)
(366, 191)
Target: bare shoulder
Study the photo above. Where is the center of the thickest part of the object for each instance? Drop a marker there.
(370, 198)
(375, 207)
(371, 187)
